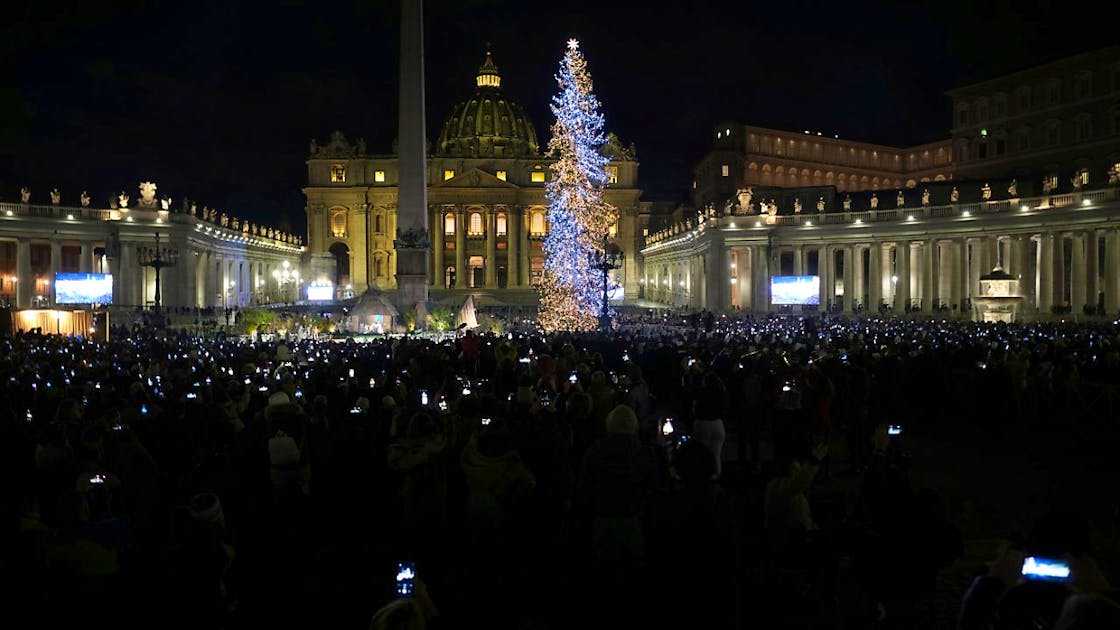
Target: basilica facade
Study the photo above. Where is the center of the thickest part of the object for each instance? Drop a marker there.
(487, 208)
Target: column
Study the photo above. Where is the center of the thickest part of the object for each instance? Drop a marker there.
(744, 270)
(392, 262)
(973, 263)
(849, 276)
(724, 279)
(524, 236)
(929, 276)
(902, 271)
(85, 259)
(875, 277)
(859, 288)
(126, 261)
(491, 262)
(1059, 276)
(1045, 291)
(513, 240)
(188, 296)
(1111, 271)
(824, 270)
(1014, 260)
(215, 279)
(24, 281)
(1028, 286)
(985, 261)
(798, 260)
(761, 283)
(1077, 281)
(461, 279)
(956, 277)
(1092, 271)
(56, 263)
(439, 273)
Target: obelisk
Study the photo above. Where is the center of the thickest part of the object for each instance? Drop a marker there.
(412, 198)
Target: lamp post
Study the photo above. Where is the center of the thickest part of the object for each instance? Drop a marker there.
(285, 278)
(157, 258)
(610, 257)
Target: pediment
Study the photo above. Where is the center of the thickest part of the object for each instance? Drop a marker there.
(474, 178)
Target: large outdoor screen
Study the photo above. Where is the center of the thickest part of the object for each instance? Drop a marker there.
(83, 288)
(795, 290)
(317, 292)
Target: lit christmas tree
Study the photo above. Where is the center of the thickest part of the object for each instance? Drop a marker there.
(571, 296)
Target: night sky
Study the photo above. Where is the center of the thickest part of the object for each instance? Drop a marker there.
(217, 101)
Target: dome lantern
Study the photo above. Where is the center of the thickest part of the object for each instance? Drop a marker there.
(488, 124)
(488, 76)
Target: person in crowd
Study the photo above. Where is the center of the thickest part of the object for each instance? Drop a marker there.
(710, 408)
(418, 457)
(617, 474)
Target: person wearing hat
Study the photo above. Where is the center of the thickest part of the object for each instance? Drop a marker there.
(618, 472)
(287, 445)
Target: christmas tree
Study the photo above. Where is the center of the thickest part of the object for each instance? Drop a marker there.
(571, 295)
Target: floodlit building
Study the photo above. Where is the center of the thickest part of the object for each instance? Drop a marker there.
(487, 210)
(206, 257)
(913, 230)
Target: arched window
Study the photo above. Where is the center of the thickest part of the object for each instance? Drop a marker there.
(501, 224)
(338, 223)
(475, 224)
(536, 225)
(449, 223)
(378, 223)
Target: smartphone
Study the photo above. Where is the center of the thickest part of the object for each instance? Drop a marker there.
(351, 372)
(247, 381)
(1047, 569)
(406, 572)
(442, 405)
(29, 416)
(424, 397)
(466, 391)
(691, 362)
(118, 427)
(667, 426)
(523, 360)
(894, 429)
(573, 377)
(97, 478)
(299, 393)
(263, 388)
(144, 409)
(486, 422)
(191, 395)
(355, 410)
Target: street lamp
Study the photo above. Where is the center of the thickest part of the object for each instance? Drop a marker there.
(285, 277)
(610, 257)
(157, 258)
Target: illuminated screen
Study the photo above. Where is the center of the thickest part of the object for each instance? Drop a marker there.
(320, 292)
(83, 288)
(795, 290)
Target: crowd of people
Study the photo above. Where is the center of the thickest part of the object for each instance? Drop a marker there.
(666, 474)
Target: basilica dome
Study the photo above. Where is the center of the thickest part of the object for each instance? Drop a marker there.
(489, 124)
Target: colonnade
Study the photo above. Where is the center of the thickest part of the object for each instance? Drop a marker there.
(209, 271)
(1068, 269)
(515, 239)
